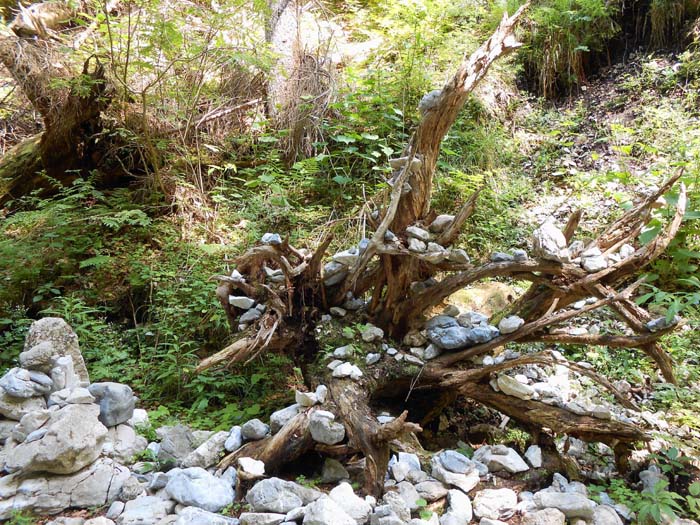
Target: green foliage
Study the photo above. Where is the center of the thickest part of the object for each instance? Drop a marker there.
(560, 38)
(657, 503)
(18, 517)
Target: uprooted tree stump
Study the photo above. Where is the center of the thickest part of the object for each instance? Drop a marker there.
(402, 278)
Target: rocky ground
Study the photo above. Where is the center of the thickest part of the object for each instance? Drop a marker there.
(70, 445)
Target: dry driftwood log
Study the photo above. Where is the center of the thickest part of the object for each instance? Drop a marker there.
(291, 283)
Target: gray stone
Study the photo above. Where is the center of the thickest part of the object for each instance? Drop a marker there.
(73, 439)
(661, 323)
(510, 324)
(250, 316)
(176, 444)
(123, 443)
(16, 407)
(572, 505)
(515, 388)
(606, 515)
(241, 301)
(458, 256)
(196, 487)
(343, 352)
(63, 373)
(115, 509)
(197, 516)
(132, 489)
(549, 243)
(261, 518)
(371, 333)
(594, 263)
(338, 311)
(49, 337)
(520, 255)
(235, 439)
(431, 352)
(117, 402)
(444, 332)
(494, 503)
(431, 490)
(464, 482)
(371, 359)
(626, 250)
(29, 423)
(472, 319)
(281, 417)
(254, 430)
(347, 370)
(347, 257)
(499, 457)
(459, 506)
(544, 517)
(251, 468)
(19, 382)
(273, 239)
(455, 462)
(533, 455)
(354, 506)
(397, 505)
(208, 453)
(651, 477)
(482, 334)
(145, 510)
(418, 233)
(277, 495)
(501, 257)
(325, 511)
(441, 223)
(324, 429)
(321, 393)
(95, 486)
(333, 471)
(416, 245)
(409, 494)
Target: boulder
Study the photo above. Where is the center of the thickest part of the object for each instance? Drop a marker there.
(254, 430)
(572, 505)
(499, 457)
(441, 223)
(235, 439)
(354, 506)
(95, 486)
(49, 337)
(117, 402)
(494, 503)
(277, 495)
(544, 517)
(19, 382)
(510, 324)
(208, 453)
(280, 418)
(324, 429)
(549, 243)
(145, 510)
(325, 511)
(533, 455)
(197, 516)
(123, 443)
(73, 439)
(606, 515)
(261, 518)
(16, 407)
(176, 444)
(196, 487)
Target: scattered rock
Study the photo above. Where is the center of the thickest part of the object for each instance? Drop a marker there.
(544, 517)
(533, 455)
(197, 516)
(441, 223)
(325, 511)
(606, 515)
(549, 243)
(241, 301)
(333, 471)
(282, 417)
(261, 518)
(416, 245)
(354, 506)
(572, 505)
(510, 324)
(500, 457)
(277, 495)
(515, 388)
(18, 382)
(251, 468)
(196, 487)
(147, 509)
(273, 239)
(16, 407)
(324, 429)
(254, 430)
(494, 503)
(207, 454)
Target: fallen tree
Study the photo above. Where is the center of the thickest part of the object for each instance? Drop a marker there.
(409, 266)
